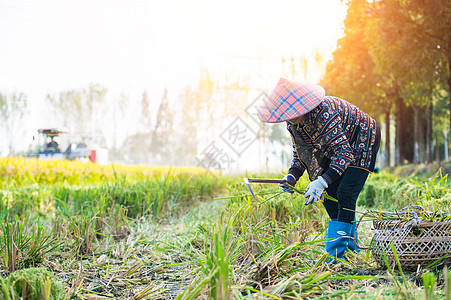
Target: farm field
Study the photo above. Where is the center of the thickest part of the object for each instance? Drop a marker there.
(72, 230)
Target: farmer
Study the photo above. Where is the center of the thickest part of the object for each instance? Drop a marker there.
(336, 143)
(52, 146)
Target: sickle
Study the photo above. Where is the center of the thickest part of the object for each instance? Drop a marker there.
(248, 181)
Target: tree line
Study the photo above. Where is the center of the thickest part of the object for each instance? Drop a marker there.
(169, 129)
(394, 62)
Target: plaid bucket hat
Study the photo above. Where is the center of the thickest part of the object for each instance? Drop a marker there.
(289, 100)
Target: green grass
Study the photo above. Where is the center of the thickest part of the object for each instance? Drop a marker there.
(151, 197)
(393, 193)
(167, 236)
(33, 283)
(25, 243)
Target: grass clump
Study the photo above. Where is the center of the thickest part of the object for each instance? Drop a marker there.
(393, 193)
(32, 284)
(25, 243)
(156, 197)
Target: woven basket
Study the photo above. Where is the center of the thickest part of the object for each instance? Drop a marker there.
(417, 242)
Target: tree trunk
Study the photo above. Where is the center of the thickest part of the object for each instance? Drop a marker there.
(422, 133)
(387, 137)
(398, 140)
(429, 132)
(445, 144)
(449, 78)
(437, 151)
(404, 132)
(416, 124)
(448, 55)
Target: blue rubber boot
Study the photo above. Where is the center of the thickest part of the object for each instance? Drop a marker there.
(352, 245)
(338, 235)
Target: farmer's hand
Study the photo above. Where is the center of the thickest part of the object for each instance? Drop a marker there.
(314, 190)
(291, 180)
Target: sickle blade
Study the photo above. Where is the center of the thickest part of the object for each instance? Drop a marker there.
(248, 185)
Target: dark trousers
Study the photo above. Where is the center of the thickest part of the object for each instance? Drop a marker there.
(346, 190)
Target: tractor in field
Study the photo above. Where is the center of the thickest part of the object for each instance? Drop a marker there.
(59, 144)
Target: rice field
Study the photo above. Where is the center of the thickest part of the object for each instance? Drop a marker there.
(71, 230)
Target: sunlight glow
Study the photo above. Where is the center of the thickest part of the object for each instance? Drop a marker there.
(52, 45)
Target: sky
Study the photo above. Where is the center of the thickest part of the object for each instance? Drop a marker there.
(48, 46)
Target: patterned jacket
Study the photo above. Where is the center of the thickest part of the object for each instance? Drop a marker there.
(332, 137)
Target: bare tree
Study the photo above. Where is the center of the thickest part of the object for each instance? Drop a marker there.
(81, 110)
(162, 133)
(12, 111)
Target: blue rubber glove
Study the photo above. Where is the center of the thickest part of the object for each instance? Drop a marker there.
(291, 180)
(315, 190)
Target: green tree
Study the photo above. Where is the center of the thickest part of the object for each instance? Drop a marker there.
(404, 43)
(351, 74)
(431, 23)
(396, 53)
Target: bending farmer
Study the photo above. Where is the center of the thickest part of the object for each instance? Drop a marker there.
(336, 143)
